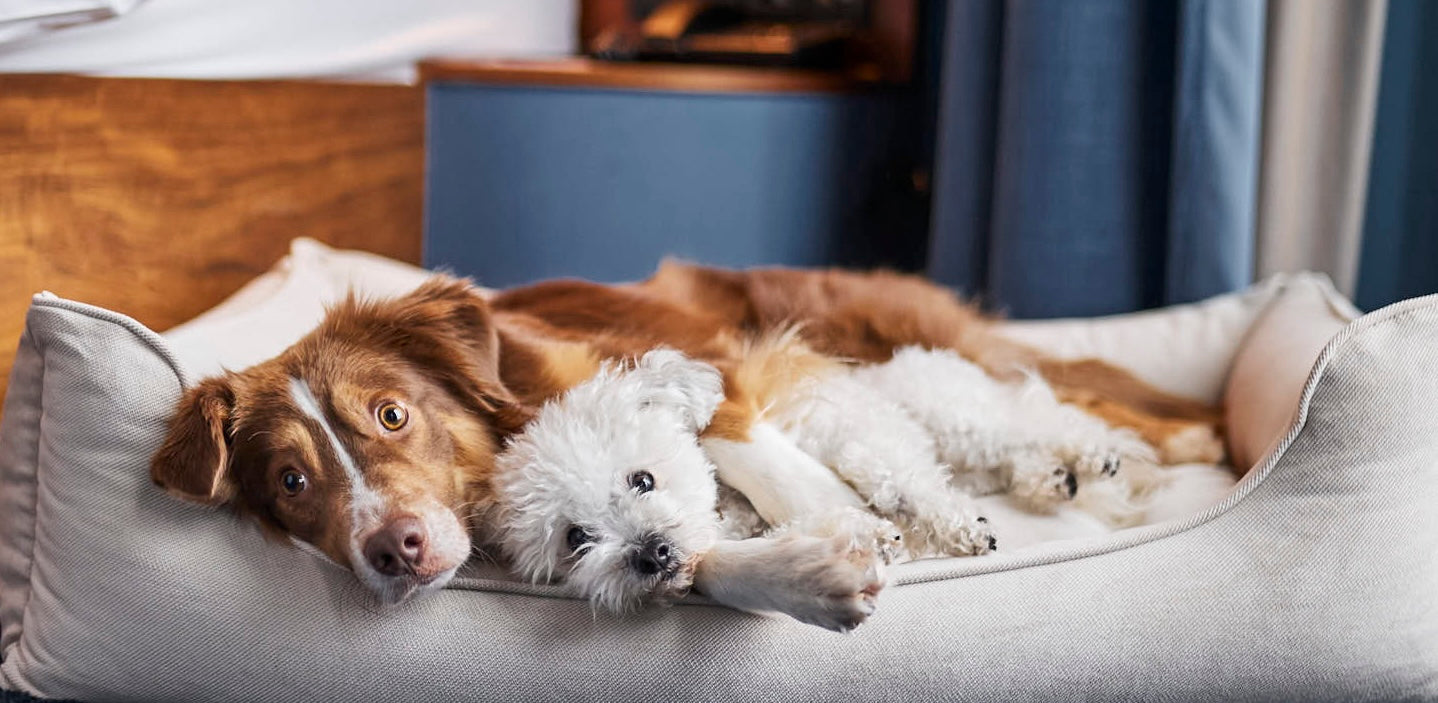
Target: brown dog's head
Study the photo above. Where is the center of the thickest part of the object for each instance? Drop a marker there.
(369, 440)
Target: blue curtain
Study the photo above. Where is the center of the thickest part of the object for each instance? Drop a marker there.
(1399, 257)
(1097, 157)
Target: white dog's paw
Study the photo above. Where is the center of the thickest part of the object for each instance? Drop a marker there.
(832, 583)
(1097, 461)
(1105, 455)
(1052, 485)
(972, 536)
(955, 533)
(861, 529)
(886, 537)
(1041, 478)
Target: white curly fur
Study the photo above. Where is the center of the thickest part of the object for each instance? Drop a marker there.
(1017, 438)
(846, 468)
(889, 460)
(573, 467)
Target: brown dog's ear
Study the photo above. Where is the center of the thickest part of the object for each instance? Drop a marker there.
(193, 463)
(446, 328)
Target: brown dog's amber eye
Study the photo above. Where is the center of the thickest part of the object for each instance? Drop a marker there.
(293, 482)
(392, 416)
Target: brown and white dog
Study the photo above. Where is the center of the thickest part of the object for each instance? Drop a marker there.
(373, 439)
(366, 440)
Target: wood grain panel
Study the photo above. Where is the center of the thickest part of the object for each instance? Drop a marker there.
(158, 198)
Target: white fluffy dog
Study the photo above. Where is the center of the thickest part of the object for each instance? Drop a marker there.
(1017, 438)
(912, 439)
(611, 490)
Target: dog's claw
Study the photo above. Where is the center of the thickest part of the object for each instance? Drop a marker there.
(1111, 465)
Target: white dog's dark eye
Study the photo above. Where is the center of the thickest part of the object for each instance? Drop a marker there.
(293, 482)
(641, 481)
(577, 538)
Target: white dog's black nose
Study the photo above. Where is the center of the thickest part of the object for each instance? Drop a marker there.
(654, 556)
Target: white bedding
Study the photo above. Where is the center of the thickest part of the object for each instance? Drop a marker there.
(20, 18)
(376, 40)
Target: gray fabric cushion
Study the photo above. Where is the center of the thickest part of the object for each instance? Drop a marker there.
(1267, 375)
(1317, 580)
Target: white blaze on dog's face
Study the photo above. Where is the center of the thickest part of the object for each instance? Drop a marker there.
(608, 489)
(368, 441)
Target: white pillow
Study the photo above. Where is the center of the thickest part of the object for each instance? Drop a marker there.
(273, 311)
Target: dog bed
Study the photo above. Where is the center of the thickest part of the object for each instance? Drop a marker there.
(1316, 579)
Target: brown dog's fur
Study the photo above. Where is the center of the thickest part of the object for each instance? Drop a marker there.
(471, 372)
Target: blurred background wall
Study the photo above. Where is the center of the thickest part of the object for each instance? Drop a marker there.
(1047, 157)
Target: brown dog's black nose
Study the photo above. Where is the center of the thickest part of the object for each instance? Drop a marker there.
(398, 547)
(654, 556)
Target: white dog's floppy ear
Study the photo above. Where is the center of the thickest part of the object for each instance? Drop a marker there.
(671, 379)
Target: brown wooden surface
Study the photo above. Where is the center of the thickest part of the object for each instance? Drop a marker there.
(590, 73)
(158, 198)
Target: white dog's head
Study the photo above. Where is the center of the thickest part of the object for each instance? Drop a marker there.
(608, 489)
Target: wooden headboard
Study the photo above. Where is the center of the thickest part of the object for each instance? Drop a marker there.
(158, 198)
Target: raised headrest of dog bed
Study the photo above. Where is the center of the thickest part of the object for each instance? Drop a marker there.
(1315, 580)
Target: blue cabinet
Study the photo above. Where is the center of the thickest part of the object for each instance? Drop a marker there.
(531, 182)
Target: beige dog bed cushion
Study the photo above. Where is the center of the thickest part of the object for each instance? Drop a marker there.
(1317, 579)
